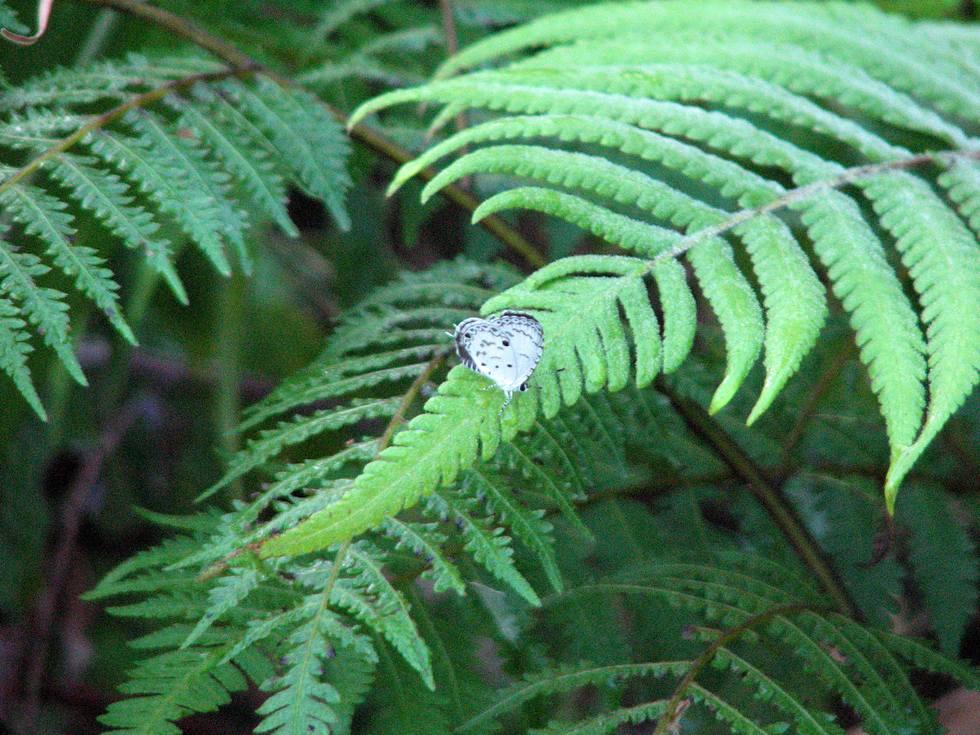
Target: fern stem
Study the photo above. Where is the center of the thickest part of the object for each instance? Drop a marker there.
(801, 193)
(672, 712)
(817, 392)
(407, 399)
(396, 420)
(399, 417)
(100, 121)
(182, 27)
(782, 514)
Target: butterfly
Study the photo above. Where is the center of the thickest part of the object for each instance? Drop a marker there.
(505, 348)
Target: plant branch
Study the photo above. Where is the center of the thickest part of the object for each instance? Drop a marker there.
(794, 196)
(180, 27)
(782, 514)
(369, 137)
(452, 44)
(673, 706)
(72, 514)
(806, 412)
(399, 417)
(100, 121)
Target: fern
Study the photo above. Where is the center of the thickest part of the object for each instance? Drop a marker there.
(498, 538)
(184, 158)
(640, 89)
(860, 668)
(465, 569)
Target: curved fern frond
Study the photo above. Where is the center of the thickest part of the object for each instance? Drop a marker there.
(602, 83)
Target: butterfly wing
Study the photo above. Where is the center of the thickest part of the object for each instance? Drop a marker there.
(465, 335)
(505, 349)
(522, 339)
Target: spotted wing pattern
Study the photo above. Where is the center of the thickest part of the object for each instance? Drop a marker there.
(505, 348)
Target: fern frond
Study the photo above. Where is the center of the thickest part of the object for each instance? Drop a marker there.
(798, 69)
(203, 187)
(488, 544)
(770, 691)
(566, 679)
(423, 540)
(188, 156)
(371, 598)
(228, 593)
(304, 700)
(834, 30)
(244, 157)
(601, 81)
(175, 684)
(309, 141)
(106, 196)
(919, 654)
(607, 722)
(273, 441)
(526, 525)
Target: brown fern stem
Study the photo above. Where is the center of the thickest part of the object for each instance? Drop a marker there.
(100, 121)
(768, 495)
(374, 140)
(674, 704)
(801, 193)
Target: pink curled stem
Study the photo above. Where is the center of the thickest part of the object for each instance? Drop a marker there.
(43, 13)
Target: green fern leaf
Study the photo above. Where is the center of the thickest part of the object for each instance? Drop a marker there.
(173, 685)
(601, 81)
(45, 217)
(204, 187)
(272, 441)
(44, 307)
(526, 525)
(244, 156)
(370, 597)
(303, 702)
(227, 594)
(107, 197)
(424, 541)
(487, 543)
(923, 656)
(309, 141)
(14, 349)
(566, 679)
(156, 175)
(767, 689)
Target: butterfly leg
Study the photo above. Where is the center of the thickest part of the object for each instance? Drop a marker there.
(509, 396)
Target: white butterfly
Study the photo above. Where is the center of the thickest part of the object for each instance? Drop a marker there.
(505, 348)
